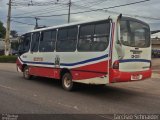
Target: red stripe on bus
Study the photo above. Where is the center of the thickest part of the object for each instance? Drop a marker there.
(45, 72)
(79, 73)
(90, 71)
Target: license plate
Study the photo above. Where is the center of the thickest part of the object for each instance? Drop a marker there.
(136, 77)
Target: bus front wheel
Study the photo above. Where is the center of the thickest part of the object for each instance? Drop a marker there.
(67, 82)
(26, 74)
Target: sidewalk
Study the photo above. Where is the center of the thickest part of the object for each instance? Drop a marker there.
(8, 67)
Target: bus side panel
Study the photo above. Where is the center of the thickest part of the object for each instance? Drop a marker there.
(90, 71)
(45, 72)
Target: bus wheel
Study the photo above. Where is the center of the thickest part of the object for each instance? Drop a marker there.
(67, 82)
(26, 74)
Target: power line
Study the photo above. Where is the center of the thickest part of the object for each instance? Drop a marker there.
(56, 8)
(22, 23)
(91, 2)
(89, 6)
(31, 3)
(87, 11)
(113, 12)
(46, 11)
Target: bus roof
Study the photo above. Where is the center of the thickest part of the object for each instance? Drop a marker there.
(79, 23)
(68, 24)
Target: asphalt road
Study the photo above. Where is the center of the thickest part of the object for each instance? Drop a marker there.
(46, 96)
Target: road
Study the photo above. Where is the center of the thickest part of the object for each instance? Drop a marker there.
(46, 96)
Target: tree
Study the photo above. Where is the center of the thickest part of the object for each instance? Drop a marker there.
(14, 33)
(2, 30)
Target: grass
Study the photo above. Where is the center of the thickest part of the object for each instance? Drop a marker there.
(8, 59)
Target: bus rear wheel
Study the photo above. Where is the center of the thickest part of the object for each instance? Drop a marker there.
(26, 74)
(67, 82)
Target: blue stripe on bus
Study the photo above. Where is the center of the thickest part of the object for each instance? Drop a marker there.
(44, 63)
(134, 60)
(30, 62)
(85, 61)
(68, 64)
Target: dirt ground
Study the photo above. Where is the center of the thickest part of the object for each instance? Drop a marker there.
(156, 63)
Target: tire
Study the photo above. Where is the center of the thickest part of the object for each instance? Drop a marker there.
(26, 74)
(67, 82)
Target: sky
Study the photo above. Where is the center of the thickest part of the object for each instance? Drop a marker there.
(20, 8)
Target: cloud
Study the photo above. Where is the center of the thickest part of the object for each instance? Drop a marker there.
(76, 18)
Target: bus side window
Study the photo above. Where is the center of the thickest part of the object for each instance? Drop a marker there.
(67, 38)
(47, 41)
(72, 37)
(25, 43)
(85, 37)
(101, 36)
(27, 40)
(94, 37)
(35, 42)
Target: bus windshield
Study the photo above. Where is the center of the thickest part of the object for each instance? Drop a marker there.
(134, 33)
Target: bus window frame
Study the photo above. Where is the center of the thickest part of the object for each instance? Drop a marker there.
(22, 42)
(32, 41)
(50, 30)
(95, 23)
(68, 27)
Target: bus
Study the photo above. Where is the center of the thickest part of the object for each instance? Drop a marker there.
(103, 51)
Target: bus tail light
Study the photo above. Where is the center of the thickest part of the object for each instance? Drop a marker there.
(116, 65)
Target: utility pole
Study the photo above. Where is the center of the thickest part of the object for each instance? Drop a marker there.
(36, 26)
(69, 11)
(7, 38)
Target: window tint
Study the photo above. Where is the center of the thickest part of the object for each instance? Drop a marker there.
(134, 34)
(27, 40)
(87, 30)
(35, 42)
(25, 43)
(62, 34)
(85, 37)
(102, 28)
(140, 34)
(47, 41)
(72, 33)
(67, 38)
(94, 37)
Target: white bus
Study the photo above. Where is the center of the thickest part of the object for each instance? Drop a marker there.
(95, 52)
